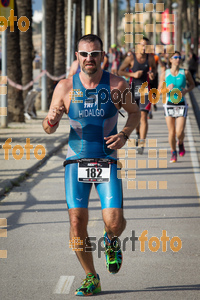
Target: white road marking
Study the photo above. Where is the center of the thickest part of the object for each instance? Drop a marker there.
(64, 284)
(193, 154)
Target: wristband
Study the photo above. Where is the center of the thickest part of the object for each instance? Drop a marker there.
(51, 124)
(125, 135)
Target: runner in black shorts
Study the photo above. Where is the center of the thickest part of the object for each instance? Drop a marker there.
(140, 63)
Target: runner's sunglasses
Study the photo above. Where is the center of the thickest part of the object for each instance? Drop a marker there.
(92, 53)
(175, 57)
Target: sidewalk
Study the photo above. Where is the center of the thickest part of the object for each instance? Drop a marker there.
(12, 171)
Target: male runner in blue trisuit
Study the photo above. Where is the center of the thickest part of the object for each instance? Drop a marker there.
(86, 98)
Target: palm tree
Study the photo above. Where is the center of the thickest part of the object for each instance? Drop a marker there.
(128, 7)
(101, 23)
(15, 96)
(151, 22)
(109, 23)
(26, 44)
(78, 24)
(179, 25)
(65, 25)
(115, 7)
(50, 43)
(59, 58)
(196, 26)
(159, 35)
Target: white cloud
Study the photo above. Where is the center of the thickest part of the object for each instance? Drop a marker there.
(37, 16)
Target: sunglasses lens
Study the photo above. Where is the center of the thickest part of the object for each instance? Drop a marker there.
(94, 54)
(177, 57)
(84, 54)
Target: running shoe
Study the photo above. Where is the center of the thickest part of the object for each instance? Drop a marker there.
(140, 150)
(113, 255)
(150, 115)
(181, 149)
(91, 285)
(174, 157)
(155, 107)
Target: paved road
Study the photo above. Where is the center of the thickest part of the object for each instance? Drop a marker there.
(37, 243)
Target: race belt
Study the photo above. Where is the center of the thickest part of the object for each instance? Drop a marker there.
(93, 169)
(179, 111)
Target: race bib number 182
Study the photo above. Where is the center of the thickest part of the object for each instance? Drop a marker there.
(93, 172)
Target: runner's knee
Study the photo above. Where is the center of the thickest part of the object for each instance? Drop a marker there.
(116, 226)
(78, 223)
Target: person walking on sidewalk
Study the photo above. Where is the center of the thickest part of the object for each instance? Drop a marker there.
(140, 64)
(92, 152)
(176, 107)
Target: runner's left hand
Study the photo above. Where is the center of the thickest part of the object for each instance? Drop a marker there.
(115, 142)
(151, 75)
(183, 91)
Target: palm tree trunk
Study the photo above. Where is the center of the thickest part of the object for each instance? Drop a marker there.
(15, 96)
(179, 25)
(101, 23)
(128, 7)
(109, 23)
(66, 26)
(151, 22)
(59, 58)
(50, 44)
(78, 24)
(26, 44)
(196, 26)
(115, 7)
(159, 35)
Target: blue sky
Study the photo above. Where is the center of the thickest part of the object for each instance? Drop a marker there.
(37, 5)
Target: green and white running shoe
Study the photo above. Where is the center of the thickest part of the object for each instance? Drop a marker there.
(91, 285)
(113, 255)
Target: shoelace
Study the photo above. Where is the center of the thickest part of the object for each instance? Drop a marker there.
(111, 254)
(87, 281)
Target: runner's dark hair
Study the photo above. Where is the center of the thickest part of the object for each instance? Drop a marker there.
(145, 39)
(90, 38)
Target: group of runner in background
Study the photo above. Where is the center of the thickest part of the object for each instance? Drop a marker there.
(141, 67)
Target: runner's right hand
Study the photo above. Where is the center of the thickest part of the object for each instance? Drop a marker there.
(138, 74)
(55, 114)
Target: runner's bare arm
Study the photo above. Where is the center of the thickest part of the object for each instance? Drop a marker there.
(190, 81)
(58, 107)
(105, 61)
(73, 69)
(152, 64)
(117, 141)
(161, 80)
(127, 64)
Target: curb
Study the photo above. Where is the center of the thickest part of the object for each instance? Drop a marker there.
(7, 185)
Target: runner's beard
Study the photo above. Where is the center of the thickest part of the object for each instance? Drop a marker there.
(90, 70)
